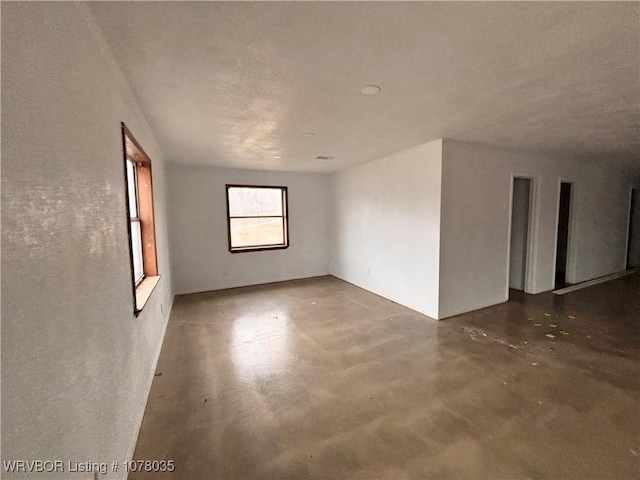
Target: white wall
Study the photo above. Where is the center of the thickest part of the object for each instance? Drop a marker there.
(475, 222)
(76, 364)
(386, 235)
(200, 254)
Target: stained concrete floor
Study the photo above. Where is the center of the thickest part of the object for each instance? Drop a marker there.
(320, 379)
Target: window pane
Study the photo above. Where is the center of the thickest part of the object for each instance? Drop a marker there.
(247, 201)
(136, 249)
(131, 187)
(251, 232)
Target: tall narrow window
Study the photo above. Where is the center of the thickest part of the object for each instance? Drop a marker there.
(257, 218)
(142, 236)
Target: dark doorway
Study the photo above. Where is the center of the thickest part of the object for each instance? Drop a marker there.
(633, 246)
(562, 246)
(519, 233)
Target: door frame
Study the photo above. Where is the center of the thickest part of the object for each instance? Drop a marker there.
(626, 250)
(571, 266)
(531, 273)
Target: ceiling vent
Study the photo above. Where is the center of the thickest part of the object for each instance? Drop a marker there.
(322, 157)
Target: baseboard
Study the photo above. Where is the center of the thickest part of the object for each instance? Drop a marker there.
(491, 303)
(595, 281)
(136, 432)
(242, 284)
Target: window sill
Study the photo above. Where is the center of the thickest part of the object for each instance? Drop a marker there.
(143, 292)
(258, 249)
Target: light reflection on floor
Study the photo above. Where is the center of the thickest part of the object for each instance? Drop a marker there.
(260, 345)
(320, 379)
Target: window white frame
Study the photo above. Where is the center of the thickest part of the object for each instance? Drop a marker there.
(134, 221)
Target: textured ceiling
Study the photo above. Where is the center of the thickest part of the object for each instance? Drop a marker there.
(234, 84)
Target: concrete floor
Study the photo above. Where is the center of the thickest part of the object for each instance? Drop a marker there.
(318, 378)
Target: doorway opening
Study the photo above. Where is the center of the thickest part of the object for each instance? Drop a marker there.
(633, 244)
(520, 225)
(564, 226)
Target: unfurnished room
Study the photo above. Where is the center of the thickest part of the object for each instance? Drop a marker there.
(332, 240)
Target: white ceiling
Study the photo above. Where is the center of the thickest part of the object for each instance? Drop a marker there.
(233, 84)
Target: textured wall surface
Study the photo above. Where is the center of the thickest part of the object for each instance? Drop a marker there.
(76, 364)
(198, 211)
(476, 182)
(386, 235)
